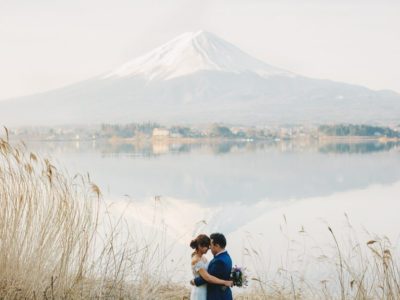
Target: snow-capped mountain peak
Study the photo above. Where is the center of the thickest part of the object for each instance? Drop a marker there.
(198, 78)
(192, 52)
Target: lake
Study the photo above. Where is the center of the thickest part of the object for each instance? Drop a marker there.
(260, 195)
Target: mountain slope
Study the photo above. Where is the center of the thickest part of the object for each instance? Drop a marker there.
(198, 77)
(193, 52)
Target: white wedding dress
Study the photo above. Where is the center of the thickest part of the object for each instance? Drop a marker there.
(199, 292)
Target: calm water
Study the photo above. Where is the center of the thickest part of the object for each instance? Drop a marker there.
(229, 172)
(244, 189)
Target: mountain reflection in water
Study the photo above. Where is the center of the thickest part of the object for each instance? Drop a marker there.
(227, 172)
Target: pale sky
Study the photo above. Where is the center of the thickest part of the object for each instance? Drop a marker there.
(45, 44)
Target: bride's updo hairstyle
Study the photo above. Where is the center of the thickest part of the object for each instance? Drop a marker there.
(200, 241)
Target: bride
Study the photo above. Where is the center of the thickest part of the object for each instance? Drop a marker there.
(201, 244)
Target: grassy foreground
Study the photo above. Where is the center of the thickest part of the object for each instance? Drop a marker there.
(54, 246)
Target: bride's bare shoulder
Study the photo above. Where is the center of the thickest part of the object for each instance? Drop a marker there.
(195, 259)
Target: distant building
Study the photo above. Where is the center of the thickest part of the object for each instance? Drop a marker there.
(160, 132)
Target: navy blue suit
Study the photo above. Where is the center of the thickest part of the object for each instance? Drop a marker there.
(220, 267)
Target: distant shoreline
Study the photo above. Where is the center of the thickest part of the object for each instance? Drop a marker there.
(215, 140)
(358, 139)
(177, 140)
(210, 140)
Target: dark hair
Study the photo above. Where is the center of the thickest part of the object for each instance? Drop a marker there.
(218, 239)
(200, 241)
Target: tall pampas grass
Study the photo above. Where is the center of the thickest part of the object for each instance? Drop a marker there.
(349, 267)
(58, 242)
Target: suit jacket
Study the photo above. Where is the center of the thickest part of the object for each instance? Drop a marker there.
(220, 267)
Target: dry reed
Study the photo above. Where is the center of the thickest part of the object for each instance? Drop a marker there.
(55, 242)
(347, 269)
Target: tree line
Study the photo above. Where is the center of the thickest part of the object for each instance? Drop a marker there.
(357, 130)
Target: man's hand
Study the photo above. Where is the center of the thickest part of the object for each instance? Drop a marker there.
(192, 282)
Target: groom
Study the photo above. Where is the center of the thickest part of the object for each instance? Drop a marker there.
(219, 267)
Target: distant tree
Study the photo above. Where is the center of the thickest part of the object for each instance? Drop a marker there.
(241, 134)
(222, 131)
(184, 131)
(357, 130)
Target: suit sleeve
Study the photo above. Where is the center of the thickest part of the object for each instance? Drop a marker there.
(216, 269)
(199, 281)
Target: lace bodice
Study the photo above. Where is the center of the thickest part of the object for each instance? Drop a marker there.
(201, 264)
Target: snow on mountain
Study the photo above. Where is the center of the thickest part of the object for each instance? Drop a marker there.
(200, 78)
(192, 52)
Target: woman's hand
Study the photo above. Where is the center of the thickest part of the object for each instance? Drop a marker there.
(229, 283)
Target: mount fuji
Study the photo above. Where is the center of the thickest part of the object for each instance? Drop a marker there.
(200, 78)
(193, 52)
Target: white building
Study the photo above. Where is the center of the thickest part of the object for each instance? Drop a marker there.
(160, 132)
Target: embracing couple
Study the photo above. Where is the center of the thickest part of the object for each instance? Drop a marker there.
(211, 280)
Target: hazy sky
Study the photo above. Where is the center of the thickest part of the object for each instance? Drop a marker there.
(46, 44)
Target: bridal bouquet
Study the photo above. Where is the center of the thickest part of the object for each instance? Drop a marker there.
(239, 276)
